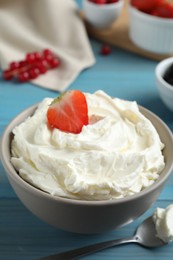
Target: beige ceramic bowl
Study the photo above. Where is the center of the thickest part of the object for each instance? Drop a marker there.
(151, 33)
(85, 216)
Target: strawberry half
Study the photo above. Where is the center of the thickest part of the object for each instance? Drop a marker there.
(68, 112)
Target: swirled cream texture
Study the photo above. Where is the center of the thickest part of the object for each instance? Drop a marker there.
(115, 157)
(163, 219)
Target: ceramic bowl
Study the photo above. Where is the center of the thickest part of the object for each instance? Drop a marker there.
(101, 16)
(151, 33)
(165, 89)
(81, 216)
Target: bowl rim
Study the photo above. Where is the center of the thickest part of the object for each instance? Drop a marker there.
(103, 6)
(12, 173)
(149, 17)
(160, 69)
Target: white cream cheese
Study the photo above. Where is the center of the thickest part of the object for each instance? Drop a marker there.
(117, 156)
(163, 219)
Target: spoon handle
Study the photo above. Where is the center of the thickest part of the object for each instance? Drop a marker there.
(83, 251)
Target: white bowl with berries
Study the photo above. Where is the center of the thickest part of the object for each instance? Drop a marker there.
(151, 25)
(102, 13)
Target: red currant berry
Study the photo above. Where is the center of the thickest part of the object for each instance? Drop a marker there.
(42, 66)
(30, 58)
(23, 76)
(47, 52)
(14, 65)
(49, 58)
(22, 63)
(43, 62)
(37, 56)
(54, 63)
(7, 75)
(33, 73)
(42, 69)
(105, 49)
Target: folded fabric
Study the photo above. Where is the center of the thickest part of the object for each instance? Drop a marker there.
(27, 26)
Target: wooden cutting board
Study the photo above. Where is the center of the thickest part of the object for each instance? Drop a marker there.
(117, 35)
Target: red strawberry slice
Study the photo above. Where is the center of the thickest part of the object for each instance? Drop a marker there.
(68, 112)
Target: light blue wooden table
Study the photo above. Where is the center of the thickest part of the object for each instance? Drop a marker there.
(22, 235)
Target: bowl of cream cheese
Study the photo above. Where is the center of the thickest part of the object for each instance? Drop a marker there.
(95, 181)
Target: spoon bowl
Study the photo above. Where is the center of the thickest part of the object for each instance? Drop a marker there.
(145, 234)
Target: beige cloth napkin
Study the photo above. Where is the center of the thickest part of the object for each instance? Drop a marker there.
(33, 25)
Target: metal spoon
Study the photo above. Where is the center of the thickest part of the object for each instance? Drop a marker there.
(145, 236)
